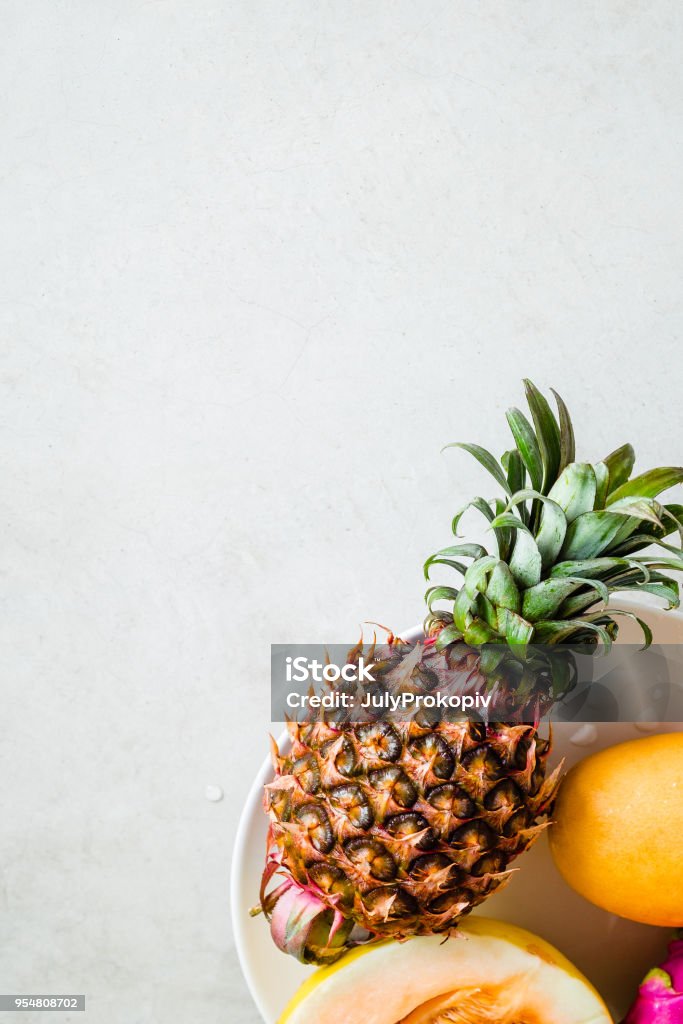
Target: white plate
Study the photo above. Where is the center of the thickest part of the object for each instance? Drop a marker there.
(613, 953)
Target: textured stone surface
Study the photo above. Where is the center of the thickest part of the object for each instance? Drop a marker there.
(259, 262)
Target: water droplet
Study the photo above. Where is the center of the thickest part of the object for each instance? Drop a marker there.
(586, 736)
(214, 793)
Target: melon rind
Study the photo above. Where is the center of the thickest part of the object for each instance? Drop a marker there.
(384, 982)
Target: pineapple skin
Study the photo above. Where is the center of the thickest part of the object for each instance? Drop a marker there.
(403, 828)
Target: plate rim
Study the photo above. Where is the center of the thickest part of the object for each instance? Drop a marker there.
(238, 856)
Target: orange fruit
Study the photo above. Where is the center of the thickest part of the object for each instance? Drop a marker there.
(618, 832)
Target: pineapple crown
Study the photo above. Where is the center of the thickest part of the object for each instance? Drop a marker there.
(568, 535)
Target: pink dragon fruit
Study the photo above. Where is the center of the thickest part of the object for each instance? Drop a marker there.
(660, 996)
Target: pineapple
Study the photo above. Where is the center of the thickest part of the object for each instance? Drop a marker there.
(389, 830)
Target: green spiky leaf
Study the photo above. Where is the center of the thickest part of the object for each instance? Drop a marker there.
(503, 535)
(640, 508)
(526, 442)
(591, 568)
(515, 469)
(577, 604)
(440, 594)
(479, 632)
(567, 444)
(448, 635)
(502, 590)
(526, 563)
(510, 521)
(647, 632)
(515, 627)
(602, 481)
(650, 484)
(544, 600)
(480, 504)
(553, 528)
(462, 611)
(485, 459)
(484, 609)
(575, 490)
(478, 573)
(619, 466)
(672, 519)
(491, 657)
(668, 592)
(563, 630)
(450, 562)
(637, 541)
(446, 556)
(596, 532)
(547, 432)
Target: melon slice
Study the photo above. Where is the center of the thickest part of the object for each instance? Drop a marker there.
(487, 972)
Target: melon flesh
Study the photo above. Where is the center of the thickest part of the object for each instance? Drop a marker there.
(488, 973)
